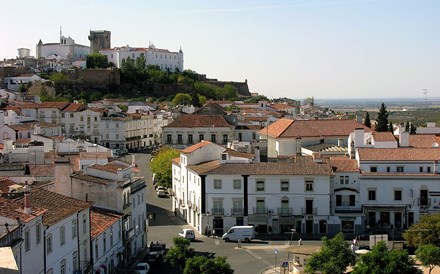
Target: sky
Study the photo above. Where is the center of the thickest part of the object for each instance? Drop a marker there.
(284, 48)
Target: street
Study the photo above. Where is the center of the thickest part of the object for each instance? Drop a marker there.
(251, 258)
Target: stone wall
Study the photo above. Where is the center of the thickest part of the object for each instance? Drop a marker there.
(241, 87)
(99, 78)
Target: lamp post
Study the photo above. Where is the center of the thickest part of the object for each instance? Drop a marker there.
(292, 231)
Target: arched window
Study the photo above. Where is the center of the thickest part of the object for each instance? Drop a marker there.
(63, 266)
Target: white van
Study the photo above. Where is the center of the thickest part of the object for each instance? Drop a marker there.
(242, 233)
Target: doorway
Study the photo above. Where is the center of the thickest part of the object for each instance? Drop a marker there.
(309, 226)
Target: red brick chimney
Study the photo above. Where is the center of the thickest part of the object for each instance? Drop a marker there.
(27, 199)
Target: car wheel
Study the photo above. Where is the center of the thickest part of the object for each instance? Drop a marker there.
(247, 240)
(226, 239)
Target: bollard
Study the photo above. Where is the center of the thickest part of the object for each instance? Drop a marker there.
(239, 243)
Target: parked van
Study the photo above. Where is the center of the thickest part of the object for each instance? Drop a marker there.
(242, 233)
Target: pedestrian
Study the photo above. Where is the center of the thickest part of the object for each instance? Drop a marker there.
(175, 211)
(154, 216)
(206, 231)
(300, 241)
(213, 233)
(150, 217)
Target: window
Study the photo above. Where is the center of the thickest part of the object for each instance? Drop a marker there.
(237, 184)
(74, 228)
(179, 138)
(84, 221)
(421, 169)
(373, 168)
(399, 169)
(201, 137)
(50, 271)
(398, 195)
(111, 236)
(428, 169)
(343, 180)
(352, 200)
(224, 156)
(225, 138)
(309, 185)
(75, 261)
(372, 195)
(284, 185)
(218, 206)
(63, 266)
(213, 138)
(96, 250)
(169, 138)
(49, 243)
(38, 232)
(388, 169)
(260, 185)
(62, 235)
(237, 207)
(104, 242)
(338, 200)
(27, 239)
(190, 138)
(217, 184)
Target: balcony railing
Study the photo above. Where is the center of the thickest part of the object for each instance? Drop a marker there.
(189, 204)
(236, 211)
(218, 211)
(309, 211)
(285, 211)
(424, 201)
(260, 210)
(348, 209)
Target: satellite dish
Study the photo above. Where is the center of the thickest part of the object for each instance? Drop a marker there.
(434, 144)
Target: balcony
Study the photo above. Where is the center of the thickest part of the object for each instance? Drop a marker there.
(189, 204)
(237, 211)
(424, 201)
(218, 211)
(260, 210)
(348, 209)
(129, 234)
(309, 211)
(126, 208)
(285, 211)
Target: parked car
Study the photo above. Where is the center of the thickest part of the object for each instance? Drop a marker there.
(162, 193)
(156, 253)
(239, 233)
(143, 268)
(188, 234)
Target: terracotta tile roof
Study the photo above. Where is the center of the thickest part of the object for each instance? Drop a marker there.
(280, 106)
(425, 141)
(23, 140)
(30, 125)
(204, 167)
(74, 107)
(4, 185)
(277, 128)
(41, 170)
(93, 155)
(15, 209)
(110, 167)
(16, 109)
(84, 177)
(383, 136)
(176, 161)
(300, 166)
(235, 153)
(58, 105)
(58, 206)
(196, 146)
(312, 128)
(101, 219)
(193, 121)
(342, 164)
(399, 154)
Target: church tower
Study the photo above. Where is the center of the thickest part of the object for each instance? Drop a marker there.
(99, 39)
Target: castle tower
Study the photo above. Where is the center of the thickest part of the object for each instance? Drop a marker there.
(99, 39)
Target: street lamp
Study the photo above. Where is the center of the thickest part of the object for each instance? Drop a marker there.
(292, 231)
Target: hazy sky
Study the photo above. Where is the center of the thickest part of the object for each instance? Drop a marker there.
(291, 48)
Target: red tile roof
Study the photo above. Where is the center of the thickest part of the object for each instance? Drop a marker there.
(399, 154)
(342, 164)
(110, 167)
(41, 170)
(285, 128)
(101, 219)
(15, 209)
(196, 146)
(194, 121)
(74, 107)
(425, 141)
(4, 185)
(383, 137)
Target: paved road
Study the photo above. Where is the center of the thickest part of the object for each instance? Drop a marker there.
(252, 258)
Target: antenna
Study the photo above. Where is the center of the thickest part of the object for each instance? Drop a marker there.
(425, 91)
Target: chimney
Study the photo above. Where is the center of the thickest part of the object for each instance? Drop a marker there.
(257, 154)
(27, 199)
(359, 137)
(404, 139)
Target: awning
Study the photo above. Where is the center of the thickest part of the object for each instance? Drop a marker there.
(257, 220)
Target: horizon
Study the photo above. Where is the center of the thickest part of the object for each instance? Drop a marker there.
(297, 49)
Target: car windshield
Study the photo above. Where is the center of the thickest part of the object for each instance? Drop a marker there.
(155, 248)
(141, 267)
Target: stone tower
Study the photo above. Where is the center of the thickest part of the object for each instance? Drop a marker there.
(99, 39)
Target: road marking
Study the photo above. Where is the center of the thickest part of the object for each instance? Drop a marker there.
(258, 257)
(217, 242)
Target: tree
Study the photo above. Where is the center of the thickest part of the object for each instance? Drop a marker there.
(412, 129)
(179, 253)
(96, 60)
(429, 255)
(58, 76)
(381, 261)
(382, 119)
(195, 99)
(367, 121)
(407, 126)
(203, 265)
(425, 231)
(334, 257)
(391, 127)
(161, 165)
(181, 99)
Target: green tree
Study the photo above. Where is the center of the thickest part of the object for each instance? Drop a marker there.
(412, 129)
(425, 231)
(407, 126)
(429, 255)
(181, 99)
(202, 99)
(179, 253)
(195, 99)
(334, 257)
(390, 127)
(367, 121)
(22, 88)
(203, 265)
(161, 165)
(123, 107)
(58, 76)
(381, 261)
(96, 60)
(382, 119)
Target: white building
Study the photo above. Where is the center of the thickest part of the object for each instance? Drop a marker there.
(165, 59)
(13, 83)
(66, 49)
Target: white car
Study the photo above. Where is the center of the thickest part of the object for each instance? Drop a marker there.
(162, 193)
(187, 234)
(143, 268)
